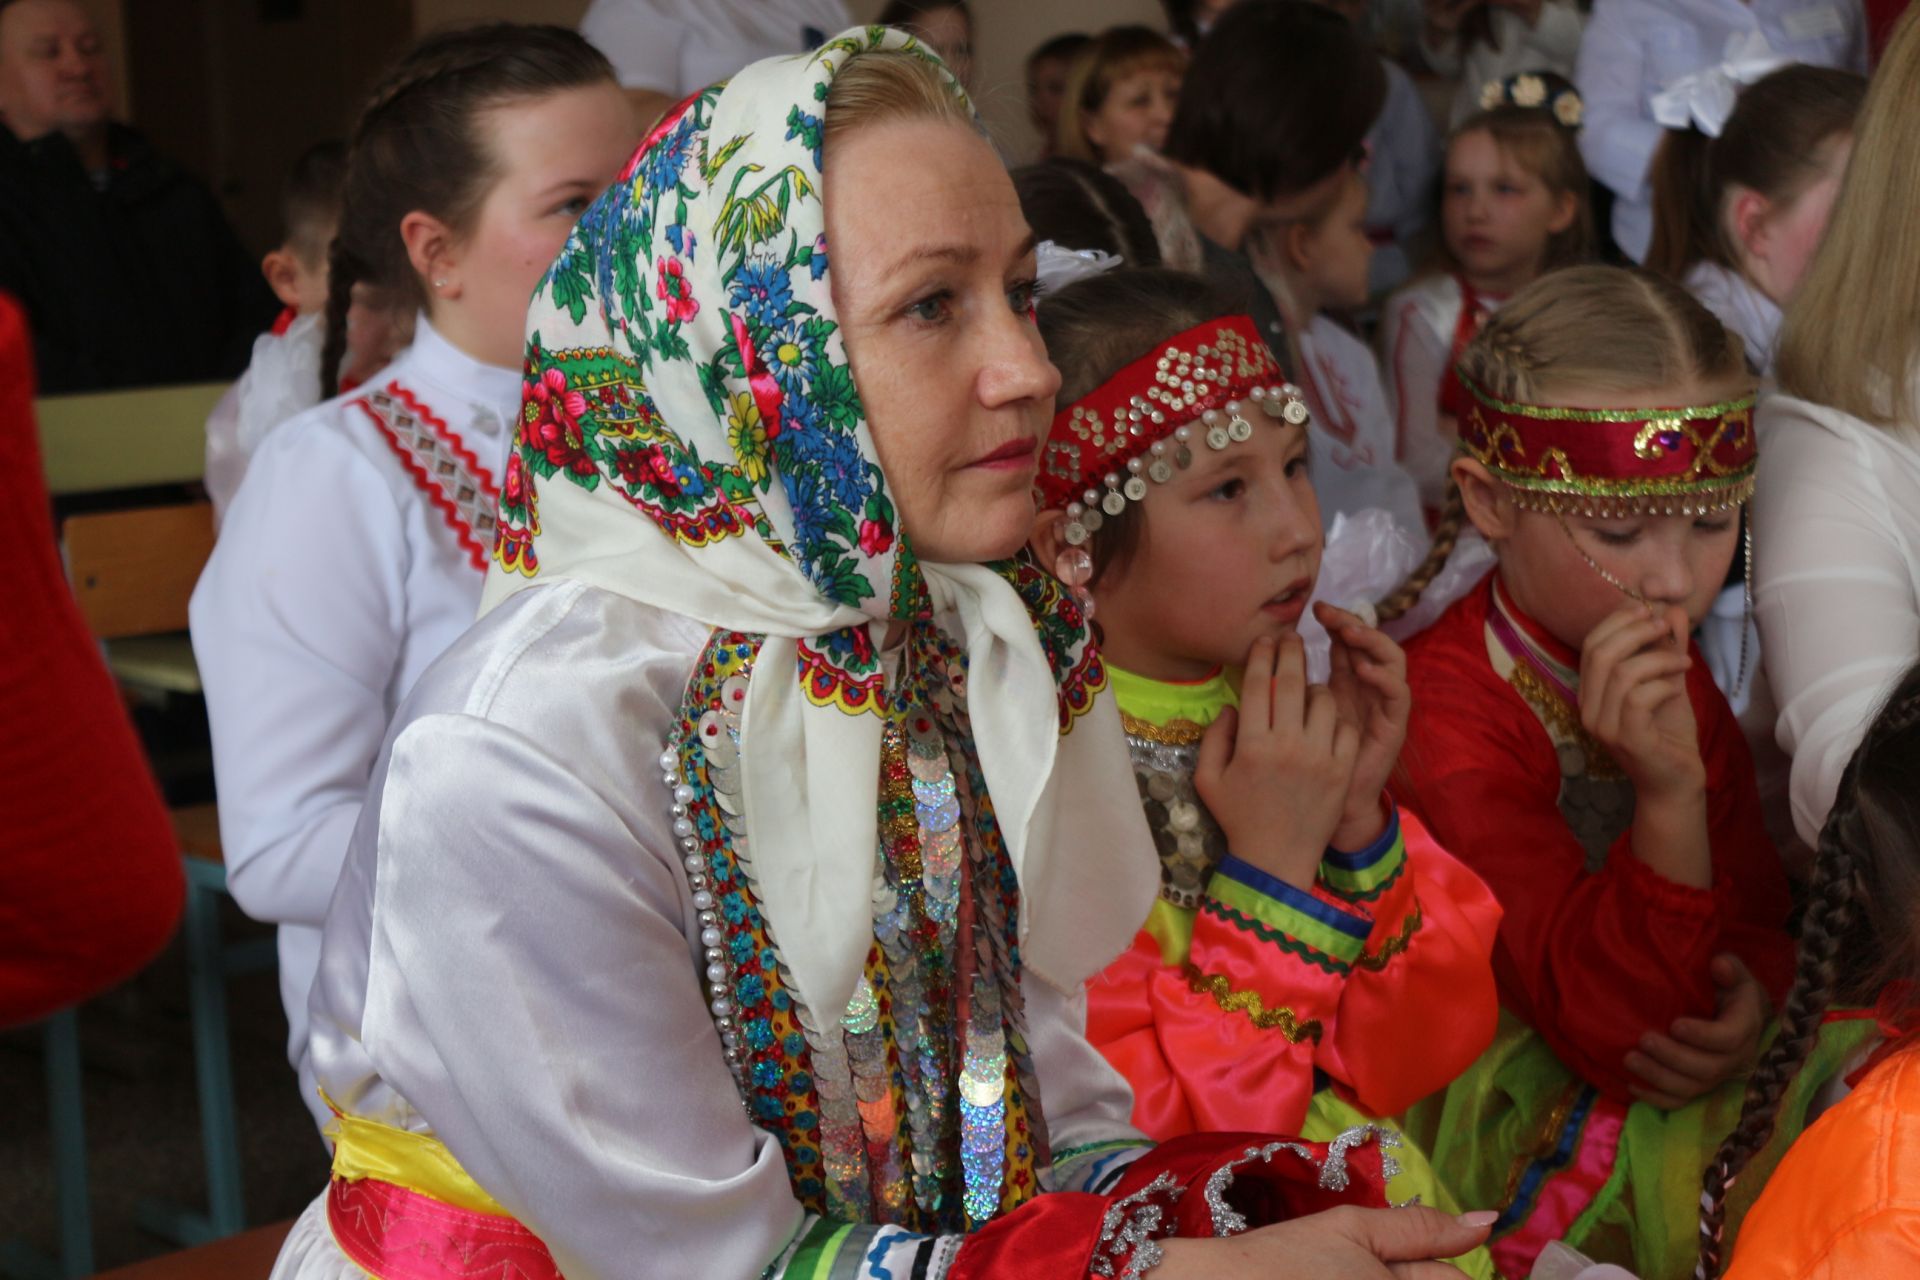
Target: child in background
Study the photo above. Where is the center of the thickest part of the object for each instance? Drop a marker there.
(1482, 42)
(1737, 216)
(1568, 745)
(1048, 69)
(1121, 96)
(283, 377)
(1513, 204)
(1313, 265)
(1308, 931)
(1079, 206)
(354, 553)
(1840, 1206)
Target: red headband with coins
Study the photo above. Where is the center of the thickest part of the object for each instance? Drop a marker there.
(1140, 425)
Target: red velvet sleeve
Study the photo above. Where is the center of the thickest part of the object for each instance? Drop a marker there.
(1227, 1025)
(1592, 960)
(92, 885)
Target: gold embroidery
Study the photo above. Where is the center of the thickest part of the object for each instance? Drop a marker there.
(1174, 733)
(1283, 1019)
(1395, 945)
(1563, 721)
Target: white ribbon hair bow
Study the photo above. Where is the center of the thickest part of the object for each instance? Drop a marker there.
(1059, 266)
(1704, 99)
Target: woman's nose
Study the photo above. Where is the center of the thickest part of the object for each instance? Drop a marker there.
(1016, 367)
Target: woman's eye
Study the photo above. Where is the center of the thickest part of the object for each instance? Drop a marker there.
(1617, 538)
(1713, 526)
(1229, 491)
(574, 207)
(931, 309)
(1297, 468)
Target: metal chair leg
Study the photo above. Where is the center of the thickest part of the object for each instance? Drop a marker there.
(66, 1115)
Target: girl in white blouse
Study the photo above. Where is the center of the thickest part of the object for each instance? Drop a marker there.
(1837, 514)
(355, 548)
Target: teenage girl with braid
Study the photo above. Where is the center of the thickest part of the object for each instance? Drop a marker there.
(1307, 930)
(355, 549)
(1570, 746)
(1842, 1202)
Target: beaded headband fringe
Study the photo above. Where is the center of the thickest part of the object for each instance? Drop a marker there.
(1139, 425)
(1687, 461)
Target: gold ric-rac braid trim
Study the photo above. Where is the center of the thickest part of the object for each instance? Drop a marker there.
(1174, 733)
(1284, 1020)
(1395, 945)
(1563, 720)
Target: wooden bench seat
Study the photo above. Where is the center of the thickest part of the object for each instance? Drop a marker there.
(247, 1256)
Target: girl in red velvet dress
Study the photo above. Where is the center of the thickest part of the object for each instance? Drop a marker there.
(1570, 746)
(1315, 959)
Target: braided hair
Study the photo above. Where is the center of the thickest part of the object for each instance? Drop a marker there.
(415, 147)
(1597, 329)
(1865, 876)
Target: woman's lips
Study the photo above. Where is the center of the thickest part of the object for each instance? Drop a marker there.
(1290, 604)
(1012, 456)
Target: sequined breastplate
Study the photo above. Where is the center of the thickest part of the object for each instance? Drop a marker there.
(1189, 841)
(1595, 797)
(917, 1105)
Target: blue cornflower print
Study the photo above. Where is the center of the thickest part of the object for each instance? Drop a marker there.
(762, 287)
(667, 159)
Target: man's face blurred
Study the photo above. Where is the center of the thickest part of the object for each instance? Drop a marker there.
(53, 72)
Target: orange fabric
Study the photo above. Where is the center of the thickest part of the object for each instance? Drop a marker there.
(1845, 1203)
(1590, 960)
(1389, 1033)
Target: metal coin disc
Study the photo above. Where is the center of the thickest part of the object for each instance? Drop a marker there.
(1240, 430)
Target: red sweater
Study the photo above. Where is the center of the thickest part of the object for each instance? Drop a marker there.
(1590, 960)
(90, 880)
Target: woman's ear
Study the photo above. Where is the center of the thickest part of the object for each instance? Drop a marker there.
(1296, 244)
(1486, 500)
(1049, 538)
(432, 250)
(282, 270)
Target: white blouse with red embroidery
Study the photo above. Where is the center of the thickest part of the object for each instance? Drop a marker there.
(352, 556)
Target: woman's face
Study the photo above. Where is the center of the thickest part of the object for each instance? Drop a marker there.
(1136, 112)
(933, 279)
(1498, 217)
(1781, 243)
(553, 156)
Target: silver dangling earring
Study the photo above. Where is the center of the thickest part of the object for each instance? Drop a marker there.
(1746, 618)
(1074, 567)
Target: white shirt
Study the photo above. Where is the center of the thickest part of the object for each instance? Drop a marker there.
(678, 47)
(335, 581)
(514, 964)
(1351, 436)
(1633, 49)
(282, 379)
(1751, 314)
(1550, 44)
(1404, 157)
(1416, 333)
(1836, 539)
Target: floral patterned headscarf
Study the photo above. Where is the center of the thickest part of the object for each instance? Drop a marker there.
(692, 438)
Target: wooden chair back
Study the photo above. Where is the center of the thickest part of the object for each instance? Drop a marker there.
(133, 571)
(103, 440)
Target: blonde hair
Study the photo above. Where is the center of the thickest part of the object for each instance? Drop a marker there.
(1583, 329)
(887, 85)
(1851, 339)
(1114, 55)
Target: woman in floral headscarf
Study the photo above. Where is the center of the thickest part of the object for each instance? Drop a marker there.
(733, 798)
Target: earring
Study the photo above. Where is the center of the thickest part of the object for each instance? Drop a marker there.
(439, 284)
(1074, 567)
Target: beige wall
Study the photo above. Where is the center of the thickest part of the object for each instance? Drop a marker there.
(1007, 31)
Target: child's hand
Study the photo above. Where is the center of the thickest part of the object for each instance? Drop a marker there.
(1703, 1054)
(1633, 699)
(1275, 775)
(1369, 685)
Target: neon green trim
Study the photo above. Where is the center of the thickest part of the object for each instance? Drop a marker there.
(814, 1258)
(1280, 918)
(1162, 702)
(1172, 928)
(1369, 882)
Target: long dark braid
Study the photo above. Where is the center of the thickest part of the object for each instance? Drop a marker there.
(415, 148)
(1838, 902)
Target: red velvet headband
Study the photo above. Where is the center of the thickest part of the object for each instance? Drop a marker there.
(1139, 424)
(1608, 462)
